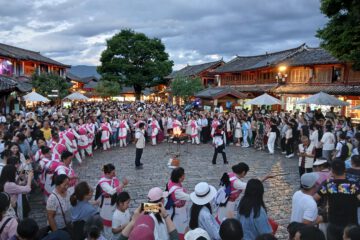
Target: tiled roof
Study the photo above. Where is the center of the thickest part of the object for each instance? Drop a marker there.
(23, 54)
(91, 85)
(256, 88)
(193, 70)
(6, 84)
(311, 89)
(218, 92)
(311, 56)
(71, 76)
(242, 63)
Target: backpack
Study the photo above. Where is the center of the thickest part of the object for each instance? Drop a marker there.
(344, 153)
(223, 194)
(170, 204)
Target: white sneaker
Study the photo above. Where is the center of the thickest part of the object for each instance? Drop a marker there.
(283, 152)
(290, 156)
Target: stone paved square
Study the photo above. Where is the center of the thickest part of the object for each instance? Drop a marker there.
(196, 160)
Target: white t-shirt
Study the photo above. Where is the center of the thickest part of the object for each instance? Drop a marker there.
(120, 219)
(303, 208)
(309, 161)
(328, 140)
(338, 148)
(139, 135)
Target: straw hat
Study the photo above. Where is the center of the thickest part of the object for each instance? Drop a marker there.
(203, 194)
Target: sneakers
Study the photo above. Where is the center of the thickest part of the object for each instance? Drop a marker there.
(283, 152)
(139, 166)
(290, 155)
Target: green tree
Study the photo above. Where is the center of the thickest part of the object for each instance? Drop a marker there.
(186, 87)
(46, 82)
(341, 35)
(107, 88)
(133, 59)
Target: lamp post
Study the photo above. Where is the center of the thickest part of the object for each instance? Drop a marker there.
(281, 75)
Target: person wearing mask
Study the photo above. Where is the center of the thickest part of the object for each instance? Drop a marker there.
(8, 222)
(201, 212)
(58, 205)
(178, 211)
(252, 211)
(343, 197)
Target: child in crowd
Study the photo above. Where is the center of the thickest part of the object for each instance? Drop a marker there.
(121, 216)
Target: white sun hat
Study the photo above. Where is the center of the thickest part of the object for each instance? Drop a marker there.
(203, 194)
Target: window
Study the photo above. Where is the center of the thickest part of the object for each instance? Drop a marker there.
(336, 74)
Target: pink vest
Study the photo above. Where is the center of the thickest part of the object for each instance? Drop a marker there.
(234, 194)
(172, 187)
(122, 124)
(215, 124)
(105, 127)
(82, 130)
(114, 182)
(69, 172)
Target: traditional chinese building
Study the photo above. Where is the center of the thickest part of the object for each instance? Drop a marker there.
(293, 74)
(204, 71)
(17, 65)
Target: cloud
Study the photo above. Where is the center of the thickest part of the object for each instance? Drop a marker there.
(196, 31)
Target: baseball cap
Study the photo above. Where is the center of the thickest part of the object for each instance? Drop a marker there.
(156, 194)
(319, 162)
(143, 228)
(196, 233)
(308, 180)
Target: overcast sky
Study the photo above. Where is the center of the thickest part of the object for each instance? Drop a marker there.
(193, 31)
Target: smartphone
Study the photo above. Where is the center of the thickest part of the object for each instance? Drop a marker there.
(151, 207)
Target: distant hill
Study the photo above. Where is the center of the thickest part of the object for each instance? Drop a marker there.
(84, 71)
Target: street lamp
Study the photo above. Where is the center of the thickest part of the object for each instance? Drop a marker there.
(281, 75)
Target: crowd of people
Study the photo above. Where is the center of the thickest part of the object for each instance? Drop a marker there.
(39, 146)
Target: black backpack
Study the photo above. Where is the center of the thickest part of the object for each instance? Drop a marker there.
(344, 153)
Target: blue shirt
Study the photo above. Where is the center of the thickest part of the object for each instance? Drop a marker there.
(253, 227)
(82, 211)
(208, 223)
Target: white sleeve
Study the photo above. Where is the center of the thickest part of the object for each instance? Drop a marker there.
(238, 184)
(60, 171)
(107, 188)
(181, 195)
(310, 211)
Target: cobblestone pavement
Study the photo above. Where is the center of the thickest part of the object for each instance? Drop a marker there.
(197, 163)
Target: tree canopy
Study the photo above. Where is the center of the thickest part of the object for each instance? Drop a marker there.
(133, 59)
(46, 82)
(186, 87)
(341, 35)
(107, 88)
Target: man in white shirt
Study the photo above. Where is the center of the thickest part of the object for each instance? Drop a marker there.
(140, 144)
(340, 145)
(328, 143)
(304, 208)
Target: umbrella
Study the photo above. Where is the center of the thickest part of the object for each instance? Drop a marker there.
(322, 98)
(264, 99)
(76, 96)
(35, 97)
